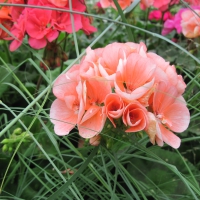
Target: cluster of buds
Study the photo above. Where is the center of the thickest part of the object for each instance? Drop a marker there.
(54, 56)
(11, 143)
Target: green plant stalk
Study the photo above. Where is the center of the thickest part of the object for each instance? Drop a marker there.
(27, 129)
(90, 165)
(73, 29)
(128, 30)
(117, 164)
(190, 172)
(64, 46)
(25, 164)
(7, 52)
(107, 177)
(76, 175)
(173, 169)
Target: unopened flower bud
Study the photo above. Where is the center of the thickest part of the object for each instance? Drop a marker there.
(64, 56)
(43, 66)
(10, 149)
(95, 141)
(17, 131)
(4, 141)
(5, 148)
(58, 62)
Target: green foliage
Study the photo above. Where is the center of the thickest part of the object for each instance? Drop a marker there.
(5, 77)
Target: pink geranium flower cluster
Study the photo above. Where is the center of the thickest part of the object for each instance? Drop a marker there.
(186, 21)
(41, 25)
(121, 82)
(162, 5)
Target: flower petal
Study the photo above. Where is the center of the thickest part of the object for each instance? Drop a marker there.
(178, 115)
(169, 137)
(64, 119)
(37, 43)
(92, 126)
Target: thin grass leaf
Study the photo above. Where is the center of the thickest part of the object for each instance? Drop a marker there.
(80, 170)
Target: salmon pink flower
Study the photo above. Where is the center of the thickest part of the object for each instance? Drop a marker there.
(123, 3)
(169, 75)
(145, 93)
(170, 114)
(129, 83)
(135, 116)
(114, 107)
(89, 63)
(94, 92)
(109, 64)
(68, 108)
